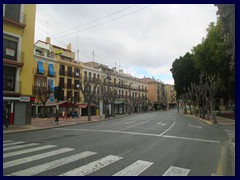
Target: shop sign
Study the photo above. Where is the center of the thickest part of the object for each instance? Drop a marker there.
(24, 99)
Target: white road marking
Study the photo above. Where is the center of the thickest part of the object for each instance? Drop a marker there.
(129, 122)
(133, 125)
(20, 146)
(7, 141)
(160, 123)
(13, 143)
(53, 164)
(134, 169)
(93, 166)
(144, 134)
(35, 157)
(109, 131)
(15, 153)
(168, 128)
(176, 171)
(192, 139)
(199, 127)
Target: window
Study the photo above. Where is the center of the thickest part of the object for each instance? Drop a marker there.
(65, 58)
(40, 68)
(69, 71)
(9, 75)
(51, 71)
(85, 75)
(77, 72)
(90, 76)
(61, 82)
(62, 70)
(10, 47)
(69, 83)
(76, 84)
(51, 84)
(76, 97)
(12, 11)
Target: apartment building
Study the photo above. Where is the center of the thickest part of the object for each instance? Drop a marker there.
(171, 96)
(156, 94)
(18, 40)
(118, 92)
(55, 66)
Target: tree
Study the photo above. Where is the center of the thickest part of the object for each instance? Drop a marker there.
(112, 98)
(89, 90)
(211, 57)
(226, 13)
(43, 94)
(184, 72)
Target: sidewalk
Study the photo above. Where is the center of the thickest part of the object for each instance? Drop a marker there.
(46, 123)
(220, 120)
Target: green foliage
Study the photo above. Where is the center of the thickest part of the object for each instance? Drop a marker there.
(210, 57)
(184, 72)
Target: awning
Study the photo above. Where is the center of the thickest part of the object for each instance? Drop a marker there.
(85, 105)
(51, 70)
(40, 67)
(82, 106)
(62, 104)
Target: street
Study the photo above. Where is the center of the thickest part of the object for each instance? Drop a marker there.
(162, 143)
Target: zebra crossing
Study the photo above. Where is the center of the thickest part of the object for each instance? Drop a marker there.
(12, 150)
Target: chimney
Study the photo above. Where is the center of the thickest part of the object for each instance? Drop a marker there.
(48, 40)
(69, 47)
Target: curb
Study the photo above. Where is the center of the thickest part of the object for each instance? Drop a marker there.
(35, 128)
(199, 119)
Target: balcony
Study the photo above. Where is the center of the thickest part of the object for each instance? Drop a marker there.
(15, 17)
(11, 57)
(45, 54)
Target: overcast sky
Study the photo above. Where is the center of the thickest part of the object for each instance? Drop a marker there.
(141, 39)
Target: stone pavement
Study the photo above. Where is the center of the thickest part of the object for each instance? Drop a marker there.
(45, 123)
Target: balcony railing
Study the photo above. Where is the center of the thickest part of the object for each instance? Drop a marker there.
(45, 54)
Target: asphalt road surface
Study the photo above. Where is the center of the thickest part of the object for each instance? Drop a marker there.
(161, 143)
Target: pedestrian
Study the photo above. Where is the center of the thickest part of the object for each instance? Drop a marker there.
(5, 117)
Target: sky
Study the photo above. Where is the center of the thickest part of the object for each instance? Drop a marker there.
(140, 39)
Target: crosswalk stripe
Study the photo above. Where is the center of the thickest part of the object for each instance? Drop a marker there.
(12, 143)
(93, 166)
(35, 157)
(134, 169)
(7, 141)
(176, 171)
(15, 153)
(20, 146)
(53, 164)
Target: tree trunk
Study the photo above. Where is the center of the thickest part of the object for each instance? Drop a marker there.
(213, 114)
(44, 110)
(89, 112)
(113, 109)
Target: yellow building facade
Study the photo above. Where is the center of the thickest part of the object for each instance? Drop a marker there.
(18, 40)
(55, 66)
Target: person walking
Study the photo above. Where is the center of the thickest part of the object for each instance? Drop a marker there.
(5, 116)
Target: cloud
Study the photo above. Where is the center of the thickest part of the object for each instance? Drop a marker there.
(142, 38)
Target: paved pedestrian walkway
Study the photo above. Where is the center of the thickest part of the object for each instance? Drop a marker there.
(45, 123)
